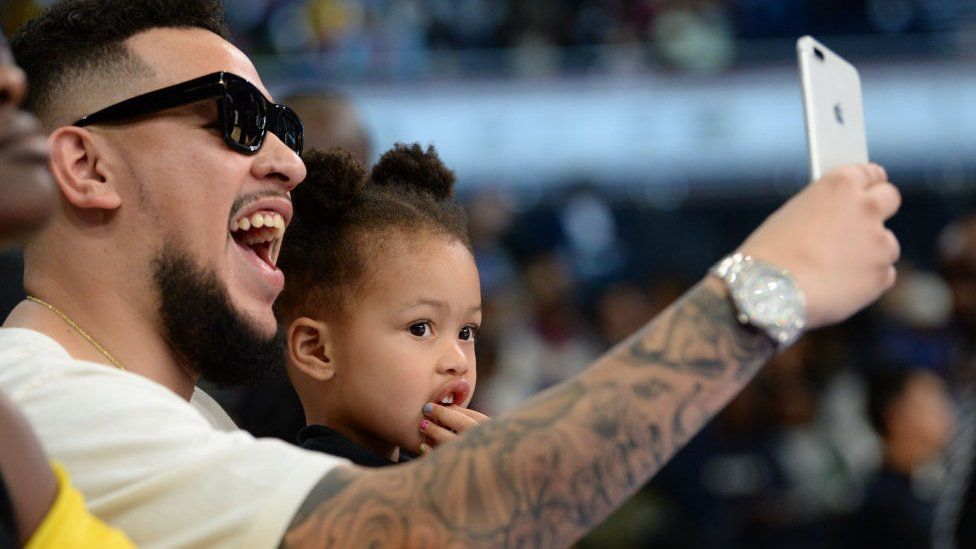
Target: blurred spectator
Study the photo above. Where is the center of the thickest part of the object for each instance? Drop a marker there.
(955, 522)
(620, 310)
(549, 344)
(489, 219)
(911, 410)
(332, 120)
(957, 257)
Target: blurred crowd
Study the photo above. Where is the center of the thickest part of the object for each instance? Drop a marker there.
(355, 39)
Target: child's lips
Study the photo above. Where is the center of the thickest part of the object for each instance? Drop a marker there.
(456, 391)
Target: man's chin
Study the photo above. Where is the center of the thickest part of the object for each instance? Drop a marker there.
(260, 318)
(228, 342)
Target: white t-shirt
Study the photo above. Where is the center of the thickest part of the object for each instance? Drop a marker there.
(169, 473)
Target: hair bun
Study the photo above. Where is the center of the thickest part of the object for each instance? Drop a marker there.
(410, 167)
(334, 180)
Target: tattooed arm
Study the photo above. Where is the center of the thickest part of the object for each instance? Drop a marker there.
(546, 474)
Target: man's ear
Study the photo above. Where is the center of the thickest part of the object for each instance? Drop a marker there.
(79, 169)
(309, 348)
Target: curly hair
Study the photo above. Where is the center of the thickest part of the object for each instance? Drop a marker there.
(345, 220)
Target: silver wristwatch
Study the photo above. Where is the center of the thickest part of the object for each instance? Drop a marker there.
(764, 296)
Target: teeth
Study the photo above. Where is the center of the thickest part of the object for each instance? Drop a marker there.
(259, 228)
(448, 400)
(270, 220)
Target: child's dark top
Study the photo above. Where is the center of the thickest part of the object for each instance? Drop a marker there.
(323, 439)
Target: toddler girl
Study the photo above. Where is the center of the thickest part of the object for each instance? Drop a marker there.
(381, 306)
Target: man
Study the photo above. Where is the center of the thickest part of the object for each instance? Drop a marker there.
(144, 268)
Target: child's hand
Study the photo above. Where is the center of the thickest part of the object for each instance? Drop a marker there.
(445, 423)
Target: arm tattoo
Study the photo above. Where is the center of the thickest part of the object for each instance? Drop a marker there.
(546, 474)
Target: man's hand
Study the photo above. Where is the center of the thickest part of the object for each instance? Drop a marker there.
(831, 237)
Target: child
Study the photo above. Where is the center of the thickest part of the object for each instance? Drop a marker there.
(381, 305)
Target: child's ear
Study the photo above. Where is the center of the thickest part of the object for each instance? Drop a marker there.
(309, 349)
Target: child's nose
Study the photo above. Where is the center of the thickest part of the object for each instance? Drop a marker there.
(453, 361)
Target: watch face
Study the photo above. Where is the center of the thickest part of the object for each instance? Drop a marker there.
(767, 297)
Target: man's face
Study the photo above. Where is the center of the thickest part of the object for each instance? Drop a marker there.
(25, 182)
(186, 186)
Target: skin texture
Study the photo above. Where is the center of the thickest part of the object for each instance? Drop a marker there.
(412, 331)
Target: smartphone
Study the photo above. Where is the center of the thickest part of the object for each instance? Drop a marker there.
(831, 107)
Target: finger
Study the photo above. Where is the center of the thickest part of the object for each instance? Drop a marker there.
(876, 173)
(477, 416)
(886, 197)
(435, 434)
(890, 277)
(450, 417)
(893, 246)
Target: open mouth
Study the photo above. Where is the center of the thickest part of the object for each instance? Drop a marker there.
(260, 233)
(454, 393)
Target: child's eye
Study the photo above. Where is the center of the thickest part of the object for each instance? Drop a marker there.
(420, 329)
(467, 333)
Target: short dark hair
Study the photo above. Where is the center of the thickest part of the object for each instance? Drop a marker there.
(344, 220)
(84, 37)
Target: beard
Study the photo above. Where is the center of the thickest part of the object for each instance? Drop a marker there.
(209, 336)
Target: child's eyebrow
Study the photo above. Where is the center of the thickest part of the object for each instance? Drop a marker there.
(437, 304)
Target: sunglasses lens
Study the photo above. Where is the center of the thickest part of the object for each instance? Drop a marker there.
(288, 127)
(246, 118)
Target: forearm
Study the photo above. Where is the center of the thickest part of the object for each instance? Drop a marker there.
(546, 474)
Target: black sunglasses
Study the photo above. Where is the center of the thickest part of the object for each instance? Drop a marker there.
(245, 115)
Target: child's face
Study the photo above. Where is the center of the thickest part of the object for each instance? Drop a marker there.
(407, 339)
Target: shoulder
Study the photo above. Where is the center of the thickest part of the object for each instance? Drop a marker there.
(138, 451)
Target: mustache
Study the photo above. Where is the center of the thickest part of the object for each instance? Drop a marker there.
(246, 199)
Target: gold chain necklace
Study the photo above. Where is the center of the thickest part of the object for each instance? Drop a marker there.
(98, 347)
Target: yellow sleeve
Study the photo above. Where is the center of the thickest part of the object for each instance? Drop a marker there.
(69, 525)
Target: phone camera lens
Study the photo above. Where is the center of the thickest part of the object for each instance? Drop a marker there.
(818, 53)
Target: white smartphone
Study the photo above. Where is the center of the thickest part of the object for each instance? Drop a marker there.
(832, 108)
